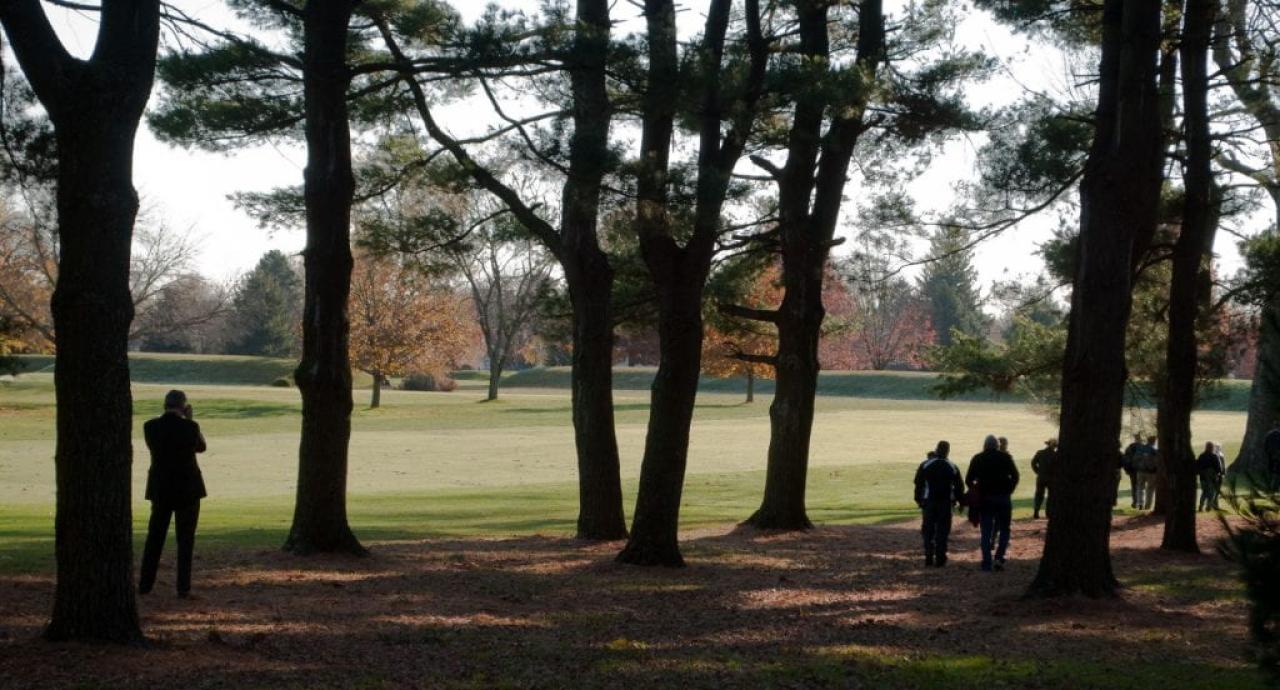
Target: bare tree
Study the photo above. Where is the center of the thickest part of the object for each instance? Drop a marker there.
(507, 273)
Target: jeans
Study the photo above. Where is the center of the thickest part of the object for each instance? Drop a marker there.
(1135, 490)
(997, 513)
(936, 529)
(1210, 487)
(157, 529)
(1147, 486)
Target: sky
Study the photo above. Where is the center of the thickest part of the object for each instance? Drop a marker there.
(189, 189)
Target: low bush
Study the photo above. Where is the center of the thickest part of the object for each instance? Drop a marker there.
(420, 381)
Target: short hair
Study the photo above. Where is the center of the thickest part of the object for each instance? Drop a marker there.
(1151, 439)
(944, 448)
(175, 400)
(990, 442)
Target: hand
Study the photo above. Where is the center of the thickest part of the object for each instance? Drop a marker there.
(188, 412)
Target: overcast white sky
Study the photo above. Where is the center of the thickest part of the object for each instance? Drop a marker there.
(190, 188)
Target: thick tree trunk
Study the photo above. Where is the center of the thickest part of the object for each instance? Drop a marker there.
(590, 280)
(92, 309)
(324, 374)
(816, 169)
(1186, 298)
(95, 106)
(376, 400)
(600, 512)
(654, 531)
(1264, 396)
(1119, 197)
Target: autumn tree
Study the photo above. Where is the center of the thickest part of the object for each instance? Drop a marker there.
(891, 322)
(95, 105)
(736, 347)
(402, 322)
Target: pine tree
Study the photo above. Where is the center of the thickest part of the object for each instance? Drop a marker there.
(950, 286)
(267, 307)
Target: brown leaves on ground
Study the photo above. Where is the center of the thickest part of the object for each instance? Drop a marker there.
(546, 612)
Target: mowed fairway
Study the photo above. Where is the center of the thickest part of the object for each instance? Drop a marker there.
(437, 464)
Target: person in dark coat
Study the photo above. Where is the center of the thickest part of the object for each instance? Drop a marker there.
(1210, 468)
(994, 475)
(1040, 464)
(1130, 467)
(938, 490)
(174, 487)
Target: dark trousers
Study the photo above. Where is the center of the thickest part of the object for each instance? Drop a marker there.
(186, 518)
(1042, 486)
(936, 529)
(997, 513)
(1135, 490)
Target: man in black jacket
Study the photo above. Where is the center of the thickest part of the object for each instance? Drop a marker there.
(1040, 464)
(994, 476)
(938, 489)
(174, 487)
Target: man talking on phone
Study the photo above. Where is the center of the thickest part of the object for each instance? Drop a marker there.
(174, 487)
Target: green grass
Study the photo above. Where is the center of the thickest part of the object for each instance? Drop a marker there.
(184, 369)
(431, 464)
(1229, 395)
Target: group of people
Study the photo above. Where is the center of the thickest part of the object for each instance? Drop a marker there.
(987, 489)
(1141, 462)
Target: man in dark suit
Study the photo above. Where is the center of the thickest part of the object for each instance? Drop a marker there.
(174, 487)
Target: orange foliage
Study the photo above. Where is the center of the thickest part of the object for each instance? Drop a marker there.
(402, 323)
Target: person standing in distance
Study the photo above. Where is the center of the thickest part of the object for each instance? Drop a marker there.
(994, 476)
(1040, 464)
(938, 490)
(174, 487)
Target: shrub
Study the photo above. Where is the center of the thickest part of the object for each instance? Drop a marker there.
(420, 381)
(1255, 547)
(283, 382)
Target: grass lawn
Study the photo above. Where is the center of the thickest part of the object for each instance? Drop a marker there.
(469, 505)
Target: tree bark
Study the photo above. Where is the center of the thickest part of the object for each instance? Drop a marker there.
(324, 374)
(1186, 297)
(1119, 196)
(679, 273)
(495, 376)
(376, 399)
(751, 385)
(816, 168)
(95, 107)
(1264, 395)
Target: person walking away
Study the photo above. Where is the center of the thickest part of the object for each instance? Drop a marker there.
(174, 487)
(1147, 463)
(993, 474)
(938, 490)
(1128, 464)
(1040, 464)
(1209, 468)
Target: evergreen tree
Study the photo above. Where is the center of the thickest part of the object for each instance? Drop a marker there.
(267, 308)
(950, 286)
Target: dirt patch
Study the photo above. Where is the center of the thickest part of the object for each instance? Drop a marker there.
(548, 612)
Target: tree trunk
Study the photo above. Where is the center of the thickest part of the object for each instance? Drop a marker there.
(495, 375)
(816, 169)
(376, 400)
(95, 107)
(600, 512)
(751, 385)
(654, 530)
(1264, 395)
(590, 281)
(324, 374)
(1186, 299)
(1119, 197)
